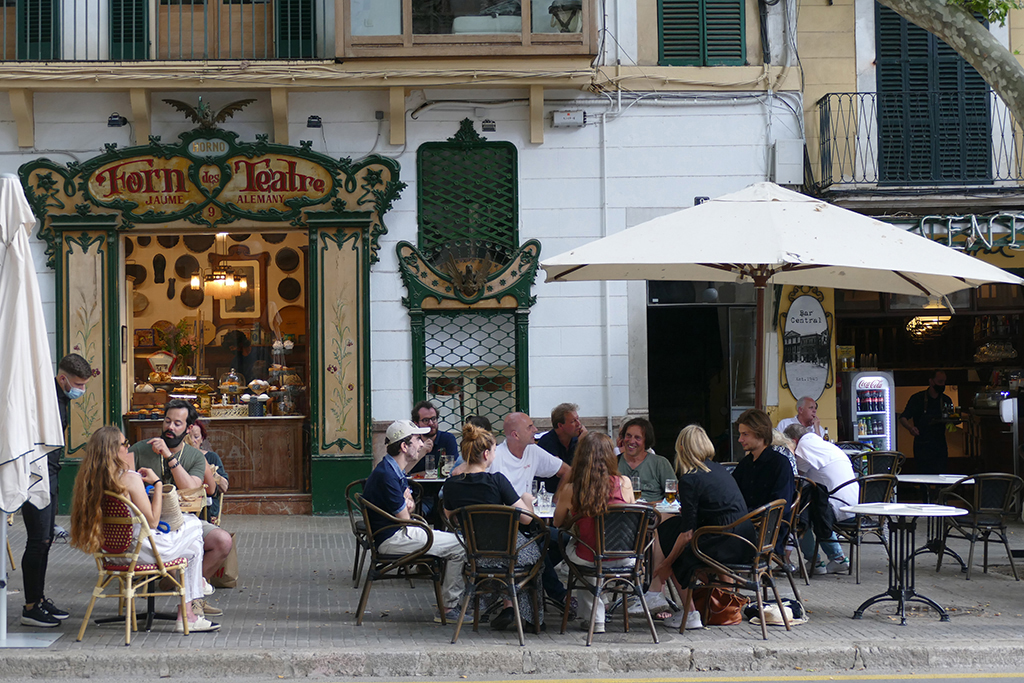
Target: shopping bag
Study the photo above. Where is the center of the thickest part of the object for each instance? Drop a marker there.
(227, 575)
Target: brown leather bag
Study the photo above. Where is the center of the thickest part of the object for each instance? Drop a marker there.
(718, 606)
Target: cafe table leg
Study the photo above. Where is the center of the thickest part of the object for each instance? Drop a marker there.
(901, 572)
(936, 528)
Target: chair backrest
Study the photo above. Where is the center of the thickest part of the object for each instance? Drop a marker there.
(876, 488)
(991, 494)
(491, 532)
(801, 499)
(622, 532)
(767, 521)
(118, 521)
(884, 462)
(355, 514)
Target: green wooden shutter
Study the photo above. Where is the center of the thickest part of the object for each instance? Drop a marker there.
(38, 22)
(296, 30)
(700, 32)
(933, 108)
(129, 28)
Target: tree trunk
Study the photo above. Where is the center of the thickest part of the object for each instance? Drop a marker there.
(972, 41)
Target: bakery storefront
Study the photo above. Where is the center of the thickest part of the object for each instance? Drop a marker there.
(231, 274)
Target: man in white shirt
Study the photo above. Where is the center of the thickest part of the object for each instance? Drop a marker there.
(826, 465)
(806, 416)
(521, 460)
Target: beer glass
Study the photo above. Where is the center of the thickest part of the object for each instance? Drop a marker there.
(637, 491)
(447, 464)
(671, 486)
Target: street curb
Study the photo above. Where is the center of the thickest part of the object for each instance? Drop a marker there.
(466, 659)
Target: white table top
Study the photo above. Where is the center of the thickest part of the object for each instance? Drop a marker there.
(932, 479)
(903, 510)
(667, 508)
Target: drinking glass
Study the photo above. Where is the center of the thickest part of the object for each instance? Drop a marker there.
(429, 465)
(447, 464)
(671, 486)
(637, 491)
(535, 489)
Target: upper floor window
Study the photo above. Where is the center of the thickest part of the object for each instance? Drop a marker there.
(471, 25)
(701, 33)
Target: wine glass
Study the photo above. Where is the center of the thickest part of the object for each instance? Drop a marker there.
(671, 486)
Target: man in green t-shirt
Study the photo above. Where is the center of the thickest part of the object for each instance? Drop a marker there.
(168, 459)
(635, 437)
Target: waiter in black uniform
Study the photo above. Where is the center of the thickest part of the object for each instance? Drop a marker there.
(923, 417)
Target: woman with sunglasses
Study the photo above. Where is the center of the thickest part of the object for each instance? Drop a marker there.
(108, 466)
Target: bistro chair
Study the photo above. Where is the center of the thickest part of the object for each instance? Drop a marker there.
(623, 535)
(884, 462)
(854, 450)
(355, 520)
(494, 543)
(801, 501)
(118, 560)
(990, 500)
(417, 564)
(873, 488)
(754, 575)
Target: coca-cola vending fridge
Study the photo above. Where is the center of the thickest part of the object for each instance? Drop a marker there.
(870, 398)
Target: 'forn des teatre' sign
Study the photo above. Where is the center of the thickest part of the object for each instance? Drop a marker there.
(207, 179)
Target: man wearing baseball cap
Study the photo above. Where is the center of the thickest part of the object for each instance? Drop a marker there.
(388, 488)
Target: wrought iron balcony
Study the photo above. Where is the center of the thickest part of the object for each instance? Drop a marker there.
(936, 138)
(126, 30)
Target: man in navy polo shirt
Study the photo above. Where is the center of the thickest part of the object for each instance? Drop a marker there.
(424, 414)
(560, 440)
(388, 489)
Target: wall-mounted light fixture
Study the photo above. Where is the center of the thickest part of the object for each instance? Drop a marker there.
(115, 120)
(314, 121)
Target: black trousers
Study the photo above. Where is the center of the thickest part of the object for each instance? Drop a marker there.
(39, 530)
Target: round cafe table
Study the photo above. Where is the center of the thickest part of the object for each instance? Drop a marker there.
(929, 483)
(902, 524)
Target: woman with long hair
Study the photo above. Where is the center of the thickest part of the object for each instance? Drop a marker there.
(594, 484)
(708, 496)
(107, 466)
(216, 477)
(476, 486)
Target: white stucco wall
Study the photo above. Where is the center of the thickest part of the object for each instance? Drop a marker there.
(658, 158)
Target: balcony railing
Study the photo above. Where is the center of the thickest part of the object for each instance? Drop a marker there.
(126, 30)
(919, 139)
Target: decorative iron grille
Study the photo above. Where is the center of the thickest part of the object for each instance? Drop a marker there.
(468, 194)
(470, 366)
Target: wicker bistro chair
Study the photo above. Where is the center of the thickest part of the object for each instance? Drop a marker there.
(801, 501)
(355, 519)
(874, 488)
(884, 462)
(754, 575)
(118, 560)
(490, 535)
(418, 564)
(622, 533)
(990, 501)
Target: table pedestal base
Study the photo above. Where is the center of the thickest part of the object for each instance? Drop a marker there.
(901, 572)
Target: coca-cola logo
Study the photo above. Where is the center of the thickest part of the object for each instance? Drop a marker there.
(871, 383)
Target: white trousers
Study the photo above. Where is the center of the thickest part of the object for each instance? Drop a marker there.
(185, 541)
(587, 595)
(445, 545)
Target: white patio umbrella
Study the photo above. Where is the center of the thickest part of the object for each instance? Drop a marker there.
(766, 234)
(29, 417)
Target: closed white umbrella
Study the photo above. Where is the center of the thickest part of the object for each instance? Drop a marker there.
(766, 234)
(29, 417)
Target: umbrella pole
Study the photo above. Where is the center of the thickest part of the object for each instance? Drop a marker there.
(3, 581)
(760, 282)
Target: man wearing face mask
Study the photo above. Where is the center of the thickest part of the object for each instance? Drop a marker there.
(923, 418)
(168, 459)
(73, 372)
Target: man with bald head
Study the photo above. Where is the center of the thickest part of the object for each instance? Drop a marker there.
(806, 416)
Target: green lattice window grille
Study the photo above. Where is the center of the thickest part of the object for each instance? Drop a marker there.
(468, 198)
(470, 366)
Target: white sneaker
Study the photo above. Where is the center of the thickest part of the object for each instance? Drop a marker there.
(656, 602)
(598, 626)
(200, 625)
(693, 621)
(208, 590)
(840, 566)
(817, 568)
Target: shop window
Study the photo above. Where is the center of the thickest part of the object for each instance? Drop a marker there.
(470, 367)
(905, 302)
(990, 297)
(856, 300)
(700, 32)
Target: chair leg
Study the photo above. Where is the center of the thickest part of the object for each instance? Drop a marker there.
(792, 583)
(470, 594)
(356, 565)
(570, 584)
(1009, 554)
(647, 610)
(686, 598)
(96, 592)
(970, 555)
(130, 614)
(800, 559)
(364, 598)
(438, 577)
(181, 594)
(760, 613)
(518, 618)
(942, 545)
(778, 600)
(598, 585)
(984, 552)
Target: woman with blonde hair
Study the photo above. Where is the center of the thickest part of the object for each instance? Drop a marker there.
(593, 484)
(107, 466)
(476, 486)
(708, 496)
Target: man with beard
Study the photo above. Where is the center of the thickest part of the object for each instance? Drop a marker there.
(168, 459)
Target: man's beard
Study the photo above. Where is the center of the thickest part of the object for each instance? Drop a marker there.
(171, 439)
